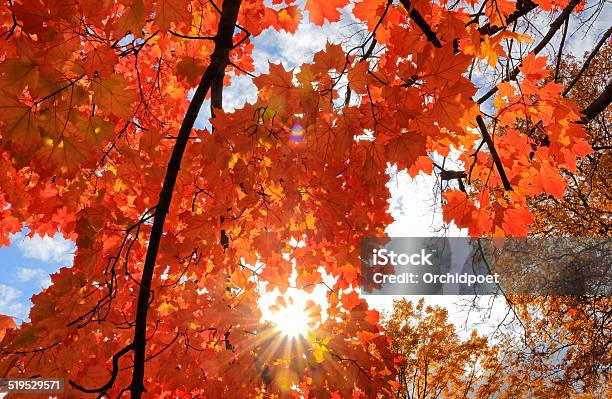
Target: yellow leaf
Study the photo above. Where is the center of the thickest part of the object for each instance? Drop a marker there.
(491, 49)
(310, 221)
(166, 308)
(232, 162)
(318, 353)
(275, 190)
(119, 185)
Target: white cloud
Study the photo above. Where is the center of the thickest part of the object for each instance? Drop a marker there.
(274, 46)
(241, 90)
(298, 48)
(292, 50)
(415, 207)
(48, 249)
(25, 274)
(9, 303)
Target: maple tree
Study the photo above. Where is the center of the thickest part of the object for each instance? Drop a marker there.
(175, 225)
(564, 347)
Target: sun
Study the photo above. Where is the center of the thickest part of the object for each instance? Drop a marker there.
(294, 313)
(291, 320)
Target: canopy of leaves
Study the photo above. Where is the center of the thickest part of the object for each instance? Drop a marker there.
(178, 227)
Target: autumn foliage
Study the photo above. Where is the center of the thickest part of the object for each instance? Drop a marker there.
(180, 227)
(435, 361)
(543, 348)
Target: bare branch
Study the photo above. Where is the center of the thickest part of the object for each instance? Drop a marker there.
(588, 61)
(523, 7)
(560, 52)
(191, 37)
(598, 105)
(113, 376)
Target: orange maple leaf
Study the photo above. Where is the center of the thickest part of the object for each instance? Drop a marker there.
(6, 322)
(172, 12)
(113, 96)
(319, 11)
(552, 182)
(405, 149)
(516, 222)
(534, 68)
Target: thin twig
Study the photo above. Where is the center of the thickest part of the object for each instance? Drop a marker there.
(191, 37)
(560, 53)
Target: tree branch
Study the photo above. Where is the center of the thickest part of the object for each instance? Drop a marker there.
(191, 37)
(560, 53)
(113, 376)
(219, 61)
(216, 93)
(554, 27)
(11, 30)
(523, 7)
(598, 105)
(498, 164)
(421, 23)
(588, 61)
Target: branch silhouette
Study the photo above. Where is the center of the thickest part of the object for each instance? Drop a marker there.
(219, 61)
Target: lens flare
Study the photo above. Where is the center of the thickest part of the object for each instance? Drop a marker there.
(297, 133)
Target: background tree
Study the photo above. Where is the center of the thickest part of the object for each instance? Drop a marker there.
(549, 354)
(564, 345)
(584, 210)
(435, 361)
(565, 340)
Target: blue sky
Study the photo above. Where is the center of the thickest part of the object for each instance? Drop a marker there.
(26, 265)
